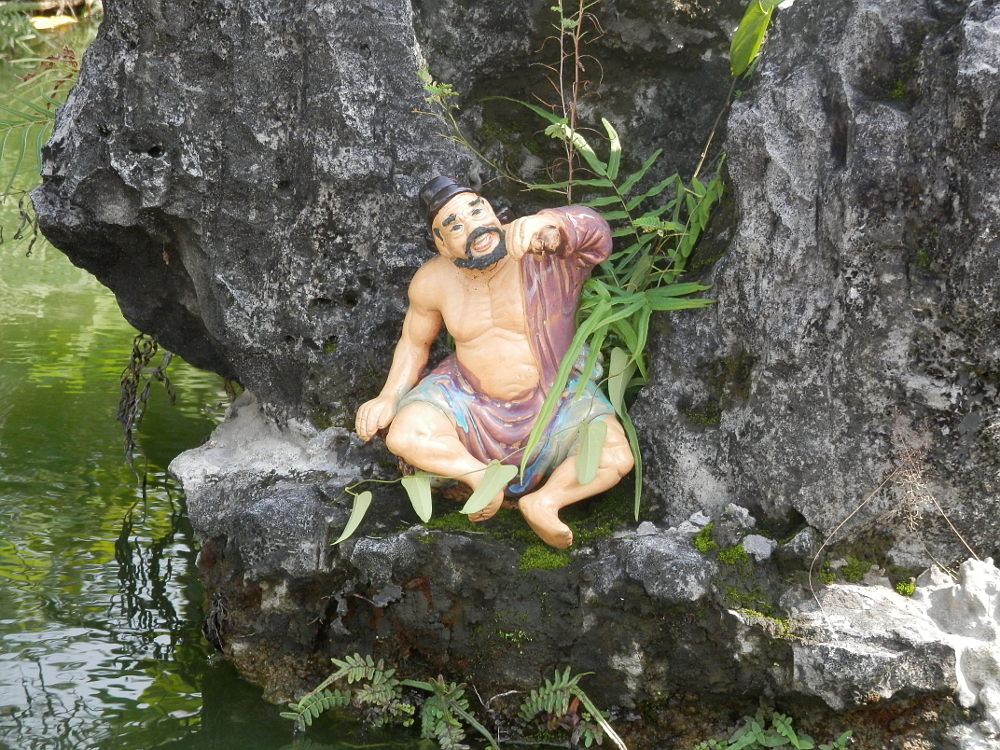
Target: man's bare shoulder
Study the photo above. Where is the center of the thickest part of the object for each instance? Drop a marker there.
(430, 281)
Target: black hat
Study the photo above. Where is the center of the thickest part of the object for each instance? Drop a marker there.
(439, 191)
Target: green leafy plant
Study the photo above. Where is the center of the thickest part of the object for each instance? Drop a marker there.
(18, 36)
(756, 734)
(444, 711)
(855, 570)
(559, 698)
(136, 380)
(906, 588)
(744, 51)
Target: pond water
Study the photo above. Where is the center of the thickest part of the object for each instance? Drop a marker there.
(100, 606)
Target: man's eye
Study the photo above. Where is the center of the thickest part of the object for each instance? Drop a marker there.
(455, 227)
(477, 212)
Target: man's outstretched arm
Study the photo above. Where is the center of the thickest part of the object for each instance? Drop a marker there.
(420, 327)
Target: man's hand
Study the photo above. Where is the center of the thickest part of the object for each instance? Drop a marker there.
(532, 234)
(373, 416)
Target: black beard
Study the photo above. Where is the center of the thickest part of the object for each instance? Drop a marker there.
(474, 263)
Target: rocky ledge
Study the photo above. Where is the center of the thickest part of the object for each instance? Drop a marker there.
(710, 608)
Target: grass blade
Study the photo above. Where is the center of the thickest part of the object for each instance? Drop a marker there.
(633, 443)
(543, 113)
(596, 342)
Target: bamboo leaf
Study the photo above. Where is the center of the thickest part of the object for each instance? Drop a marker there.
(624, 329)
(541, 112)
(495, 479)
(640, 272)
(633, 444)
(615, 152)
(640, 173)
(652, 192)
(418, 489)
(361, 503)
(614, 215)
(598, 183)
(674, 303)
(591, 362)
(620, 368)
(675, 290)
(566, 133)
(583, 332)
(605, 200)
(46, 113)
(750, 34)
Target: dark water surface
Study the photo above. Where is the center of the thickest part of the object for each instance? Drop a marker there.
(100, 643)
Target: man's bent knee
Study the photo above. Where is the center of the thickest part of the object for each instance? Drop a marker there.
(617, 453)
(413, 427)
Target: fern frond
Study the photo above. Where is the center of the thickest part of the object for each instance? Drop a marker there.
(356, 668)
(380, 695)
(312, 704)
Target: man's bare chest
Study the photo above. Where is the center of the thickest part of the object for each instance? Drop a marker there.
(484, 307)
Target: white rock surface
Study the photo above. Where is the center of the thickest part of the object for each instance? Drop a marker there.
(865, 640)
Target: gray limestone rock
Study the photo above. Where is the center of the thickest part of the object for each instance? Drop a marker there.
(243, 175)
(854, 339)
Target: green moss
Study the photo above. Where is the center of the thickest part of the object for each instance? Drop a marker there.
(703, 542)
(597, 518)
(855, 570)
(542, 557)
(779, 628)
(735, 555)
(753, 600)
(728, 380)
(826, 574)
(514, 636)
(452, 522)
(906, 588)
(898, 90)
(706, 415)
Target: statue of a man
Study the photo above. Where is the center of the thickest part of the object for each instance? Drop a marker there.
(508, 296)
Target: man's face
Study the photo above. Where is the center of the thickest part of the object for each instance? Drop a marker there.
(467, 232)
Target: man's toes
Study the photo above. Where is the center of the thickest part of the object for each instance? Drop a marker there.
(544, 521)
(489, 511)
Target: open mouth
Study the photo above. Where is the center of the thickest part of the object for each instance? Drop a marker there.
(484, 243)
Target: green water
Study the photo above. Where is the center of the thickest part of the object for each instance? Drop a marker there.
(100, 606)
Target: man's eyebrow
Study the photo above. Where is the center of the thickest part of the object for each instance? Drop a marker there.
(476, 202)
(448, 220)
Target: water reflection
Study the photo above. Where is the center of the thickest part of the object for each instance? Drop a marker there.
(100, 643)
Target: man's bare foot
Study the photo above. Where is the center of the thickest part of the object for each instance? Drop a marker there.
(489, 511)
(542, 515)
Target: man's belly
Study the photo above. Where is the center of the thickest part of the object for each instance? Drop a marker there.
(503, 365)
